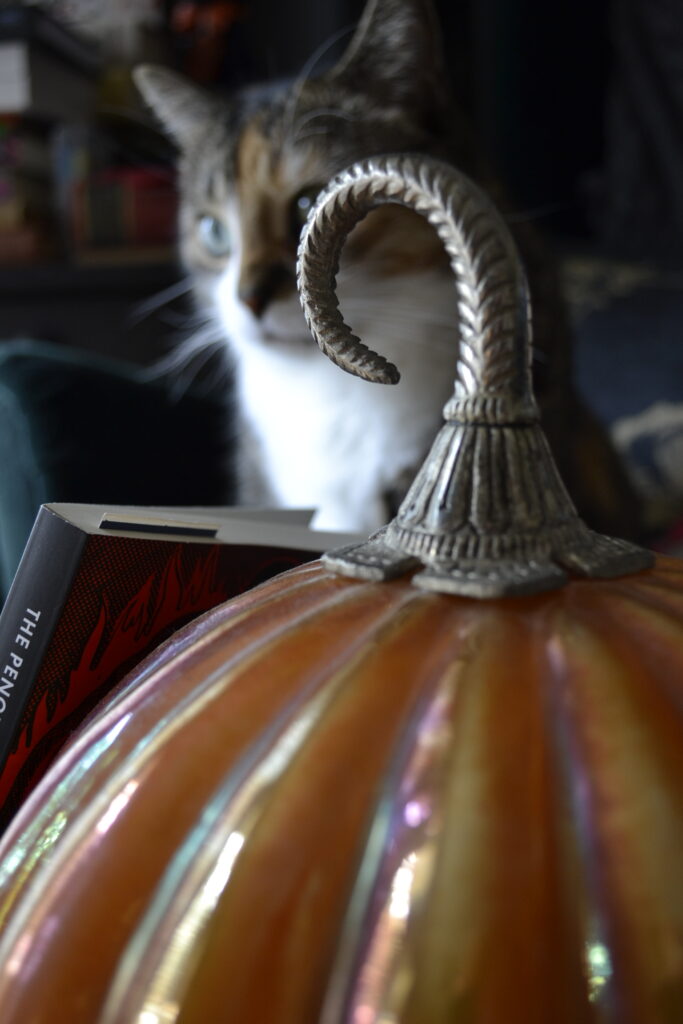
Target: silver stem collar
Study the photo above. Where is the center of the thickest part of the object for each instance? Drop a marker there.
(487, 514)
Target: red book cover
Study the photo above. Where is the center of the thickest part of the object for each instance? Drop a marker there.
(89, 602)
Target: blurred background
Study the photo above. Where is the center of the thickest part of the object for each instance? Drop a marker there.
(579, 107)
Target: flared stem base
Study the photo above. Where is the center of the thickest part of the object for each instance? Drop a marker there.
(489, 516)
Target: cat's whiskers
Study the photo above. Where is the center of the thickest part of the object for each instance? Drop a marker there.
(152, 303)
(312, 133)
(536, 212)
(402, 324)
(375, 303)
(384, 299)
(183, 365)
(331, 113)
(295, 94)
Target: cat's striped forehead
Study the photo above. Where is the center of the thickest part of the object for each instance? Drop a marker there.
(266, 165)
(258, 168)
(251, 159)
(284, 143)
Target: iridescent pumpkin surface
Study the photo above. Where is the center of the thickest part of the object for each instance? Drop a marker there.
(341, 801)
(393, 799)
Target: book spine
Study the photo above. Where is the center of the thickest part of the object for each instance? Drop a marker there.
(31, 613)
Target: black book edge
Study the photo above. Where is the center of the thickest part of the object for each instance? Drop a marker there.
(31, 614)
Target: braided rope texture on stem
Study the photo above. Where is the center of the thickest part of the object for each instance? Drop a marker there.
(487, 514)
(493, 379)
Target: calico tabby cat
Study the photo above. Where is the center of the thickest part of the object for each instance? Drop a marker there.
(250, 168)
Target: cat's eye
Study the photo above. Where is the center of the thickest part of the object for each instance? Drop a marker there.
(214, 235)
(301, 206)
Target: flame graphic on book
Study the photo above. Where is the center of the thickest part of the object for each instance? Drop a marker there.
(164, 602)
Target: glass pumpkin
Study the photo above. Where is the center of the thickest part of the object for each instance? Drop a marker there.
(370, 801)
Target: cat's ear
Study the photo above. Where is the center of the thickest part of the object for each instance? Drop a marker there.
(397, 53)
(182, 107)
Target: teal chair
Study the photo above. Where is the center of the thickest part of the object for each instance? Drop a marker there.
(78, 427)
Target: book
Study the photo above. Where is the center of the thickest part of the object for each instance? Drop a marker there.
(25, 147)
(124, 206)
(26, 244)
(24, 200)
(97, 588)
(27, 200)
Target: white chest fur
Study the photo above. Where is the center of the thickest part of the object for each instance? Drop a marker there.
(328, 440)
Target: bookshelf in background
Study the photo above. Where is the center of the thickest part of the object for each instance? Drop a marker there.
(83, 178)
(48, 76)
(116, 196)
(27, 215)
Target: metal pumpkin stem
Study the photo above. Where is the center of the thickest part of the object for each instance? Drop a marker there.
(487, 514)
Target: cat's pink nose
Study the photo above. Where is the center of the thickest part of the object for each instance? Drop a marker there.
(258, 287)
(255, 303)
